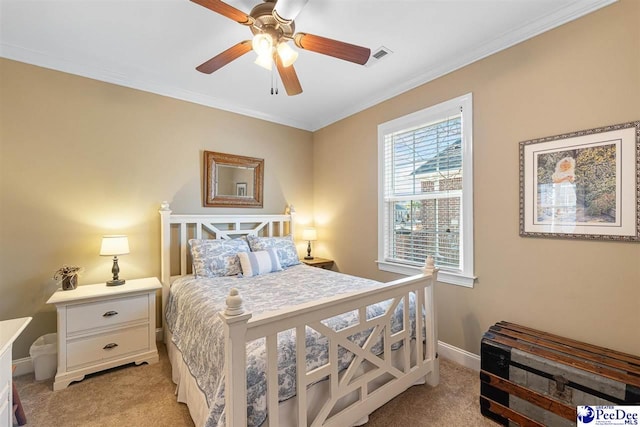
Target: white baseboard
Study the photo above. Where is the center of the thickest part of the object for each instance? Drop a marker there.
(23, 366)
(159, 335)
(459, 356)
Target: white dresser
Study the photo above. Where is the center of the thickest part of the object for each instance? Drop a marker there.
(100, 327)
(9, 331)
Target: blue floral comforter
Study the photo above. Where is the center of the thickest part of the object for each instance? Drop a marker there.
(191, 315)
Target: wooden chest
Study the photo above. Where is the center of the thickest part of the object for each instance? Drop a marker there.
(532, 378)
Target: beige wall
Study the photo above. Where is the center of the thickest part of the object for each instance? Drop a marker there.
(80, 158)
(582, 75)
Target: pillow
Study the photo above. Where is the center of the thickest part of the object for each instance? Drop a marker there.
(260, 262)
(284, 246)
(214, 258)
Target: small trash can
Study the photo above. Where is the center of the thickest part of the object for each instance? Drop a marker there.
(44, 355)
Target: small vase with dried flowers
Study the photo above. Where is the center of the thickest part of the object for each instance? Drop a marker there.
(68, 275)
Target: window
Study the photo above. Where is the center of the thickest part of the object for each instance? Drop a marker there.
(425, 191)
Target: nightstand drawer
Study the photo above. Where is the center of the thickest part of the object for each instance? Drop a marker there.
(105, 314)
(107, 346)
(4, 392)
(5, 368)
(5, 415)
(5, 386)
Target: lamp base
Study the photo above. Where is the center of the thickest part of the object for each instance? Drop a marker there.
(115, 282)
(308, 257)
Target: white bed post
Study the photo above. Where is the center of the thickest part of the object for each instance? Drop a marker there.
(291, 211)
(433, 377)
(235, 360)
(165, 255)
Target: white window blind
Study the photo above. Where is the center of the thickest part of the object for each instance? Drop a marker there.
(423, 171)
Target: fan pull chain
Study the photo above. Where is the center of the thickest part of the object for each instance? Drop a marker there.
(274, 78)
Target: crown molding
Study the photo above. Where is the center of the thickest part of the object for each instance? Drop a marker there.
(500, 43)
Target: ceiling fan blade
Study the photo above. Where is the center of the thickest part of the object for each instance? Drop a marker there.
(226, 10)
(222, 59)
(337, 49)
(289, 78)
(286, 11)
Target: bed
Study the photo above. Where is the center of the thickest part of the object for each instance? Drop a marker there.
(294, 345)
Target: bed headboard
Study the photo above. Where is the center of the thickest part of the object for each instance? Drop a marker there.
(177, 229)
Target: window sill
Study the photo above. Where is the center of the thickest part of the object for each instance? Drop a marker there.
(443, 276)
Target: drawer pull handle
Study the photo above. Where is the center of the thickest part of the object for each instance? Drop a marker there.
(110, 313)
(110, 346)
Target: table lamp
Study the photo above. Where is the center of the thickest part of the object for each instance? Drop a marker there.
(114, 246)
(309, 234)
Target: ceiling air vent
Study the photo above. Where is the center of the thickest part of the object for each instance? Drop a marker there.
(378, 55)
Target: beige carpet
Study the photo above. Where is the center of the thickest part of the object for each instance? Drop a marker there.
(144, 396)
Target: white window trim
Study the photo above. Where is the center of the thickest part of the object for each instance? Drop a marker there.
(466, 276)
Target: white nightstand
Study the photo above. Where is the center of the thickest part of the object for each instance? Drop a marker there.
(100, 327)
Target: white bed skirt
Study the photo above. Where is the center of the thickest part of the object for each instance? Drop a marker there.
(187, 391)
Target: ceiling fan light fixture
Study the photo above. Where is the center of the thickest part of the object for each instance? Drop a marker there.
(287, 55)
(265, 61)
(263, 44)
(272, 25)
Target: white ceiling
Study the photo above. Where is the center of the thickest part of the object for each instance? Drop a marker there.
(155, 45)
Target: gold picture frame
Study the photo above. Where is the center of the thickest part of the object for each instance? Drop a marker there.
(226, 176)
(582, 185)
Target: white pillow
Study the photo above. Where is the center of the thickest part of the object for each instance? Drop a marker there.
(254, 263)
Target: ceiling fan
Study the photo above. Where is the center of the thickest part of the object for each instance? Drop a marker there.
(272, 24)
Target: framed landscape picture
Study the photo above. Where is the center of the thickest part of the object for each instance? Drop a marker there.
(582, 185)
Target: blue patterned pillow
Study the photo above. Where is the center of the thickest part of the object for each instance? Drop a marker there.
(254, 263)
(284, 246)
(214, 258)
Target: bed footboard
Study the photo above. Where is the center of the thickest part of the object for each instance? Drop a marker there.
(368, 381)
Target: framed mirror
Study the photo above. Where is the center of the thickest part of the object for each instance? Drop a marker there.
(232, 181)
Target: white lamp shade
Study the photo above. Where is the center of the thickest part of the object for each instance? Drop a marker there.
(114, 245)
(264, 61)
(287, 55)
(309, 234)
(262, 44)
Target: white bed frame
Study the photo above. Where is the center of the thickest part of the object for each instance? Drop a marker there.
(417, 362)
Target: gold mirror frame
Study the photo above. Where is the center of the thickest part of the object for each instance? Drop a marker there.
(212, 198)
